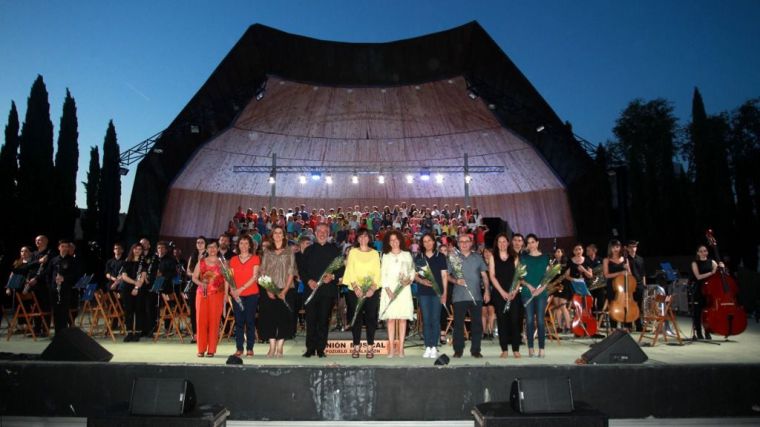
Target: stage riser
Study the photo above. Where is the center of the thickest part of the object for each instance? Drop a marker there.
(342, 393)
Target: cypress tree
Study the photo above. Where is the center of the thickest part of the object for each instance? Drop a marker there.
(8, 177)
(110, 189)
(91, 186)
(66, 166)
(708, 153)
(9, 157)
(35, 174)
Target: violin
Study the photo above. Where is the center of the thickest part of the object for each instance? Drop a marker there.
(722, 314)
(623, 308)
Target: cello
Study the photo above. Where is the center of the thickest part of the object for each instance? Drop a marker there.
(722, 314)
(623, 308)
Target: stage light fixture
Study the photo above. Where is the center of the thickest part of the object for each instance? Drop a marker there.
(472, 95)
(354, 178)
(381, 179)
(540, 129)
(315, 176)
(271, 179)
(123, 171)
(425, 175)
(328, 179)
(410, 179)
(467, 179)
(439, 179)
(158, 150)
(302, 179)
(195, 129)
(491, 107)
(260, 96)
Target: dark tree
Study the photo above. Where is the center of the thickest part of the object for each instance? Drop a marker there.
(110, 189)
(8, 177)
(66, 166)
(92, 185)
(744, 147)
(707, 150)
(646, 137)
(35, 178)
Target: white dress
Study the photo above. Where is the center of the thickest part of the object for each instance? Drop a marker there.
(392, 267)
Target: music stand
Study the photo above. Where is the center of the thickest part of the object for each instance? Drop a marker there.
(158, 284)
(15, 282)
(580, 288)
(83, 281)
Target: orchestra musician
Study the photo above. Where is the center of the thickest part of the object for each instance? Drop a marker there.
(134, 277)
(702, 268)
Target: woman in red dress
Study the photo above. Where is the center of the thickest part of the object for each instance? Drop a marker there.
(209, 301)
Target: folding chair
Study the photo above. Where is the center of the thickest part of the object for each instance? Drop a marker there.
(24, 300)
(228, 325)
(653, 322)
(551, 324)
(168, 313)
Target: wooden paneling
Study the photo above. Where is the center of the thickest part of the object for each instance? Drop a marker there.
(430, 124)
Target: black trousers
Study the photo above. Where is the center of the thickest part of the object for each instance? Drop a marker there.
(60, 306)
(151, 300)
(509, 323)
(696, 314)
(476, 325)
(275, 320)
(134, 312)
(368, 314)
(318, 313)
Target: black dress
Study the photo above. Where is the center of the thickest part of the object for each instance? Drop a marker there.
(509, 323)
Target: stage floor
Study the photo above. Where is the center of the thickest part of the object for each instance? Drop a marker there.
(744, 348)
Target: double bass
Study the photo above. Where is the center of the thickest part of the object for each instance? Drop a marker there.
(584, 322)
(623, 308)
(722, 314)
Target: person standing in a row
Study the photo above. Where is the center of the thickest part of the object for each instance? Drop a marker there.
(212, 291)
(363, 261)
(276, 318)
(245, 266)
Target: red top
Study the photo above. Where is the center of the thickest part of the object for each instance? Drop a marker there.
(214, 273)
(243, 273)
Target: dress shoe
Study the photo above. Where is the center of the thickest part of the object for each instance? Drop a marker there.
(128, 338)
(457, 354)
(308, 353)
(321, 354)
(477, 355)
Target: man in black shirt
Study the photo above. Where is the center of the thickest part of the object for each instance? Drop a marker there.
(638, 270)
(150, 267)
(224, 247)
(593, 261)
(62, 274)
(38, 280)
(313, 263)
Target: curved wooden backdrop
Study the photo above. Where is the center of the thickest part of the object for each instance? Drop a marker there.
(422, 125)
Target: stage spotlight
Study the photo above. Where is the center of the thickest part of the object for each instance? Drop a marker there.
(381, 179)
(492, 106)
(540, 128)
(158, 150)
(271, 179)
(439, 179)
(467, 179)
(410, 179)
(472, 95)
(302, 179)
(425, 175)
(328, 179)
(123, 171)
(355, 178)
(315, 176)
(195, 129)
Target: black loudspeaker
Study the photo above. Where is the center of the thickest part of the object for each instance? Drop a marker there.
(73, 345)
(495, 226)
(542, 395)
(619, 347)
(161, 396)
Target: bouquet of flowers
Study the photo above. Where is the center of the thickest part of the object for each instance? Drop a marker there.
(550, 273)
(520, 272)
(229, 276)
(365, 284)
(268, 285)
(427, 274)
(208, 277)
(455, 263)
(396, 292)
(334, 266)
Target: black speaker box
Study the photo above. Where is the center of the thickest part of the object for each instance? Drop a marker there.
(619, 347)
(541, 395)
(73, 345)
(495, 226)
(161, 396)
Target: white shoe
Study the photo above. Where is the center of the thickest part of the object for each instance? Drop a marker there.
(433, 353)
(427, 352)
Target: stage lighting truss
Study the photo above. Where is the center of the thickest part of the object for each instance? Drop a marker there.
(407, 173)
